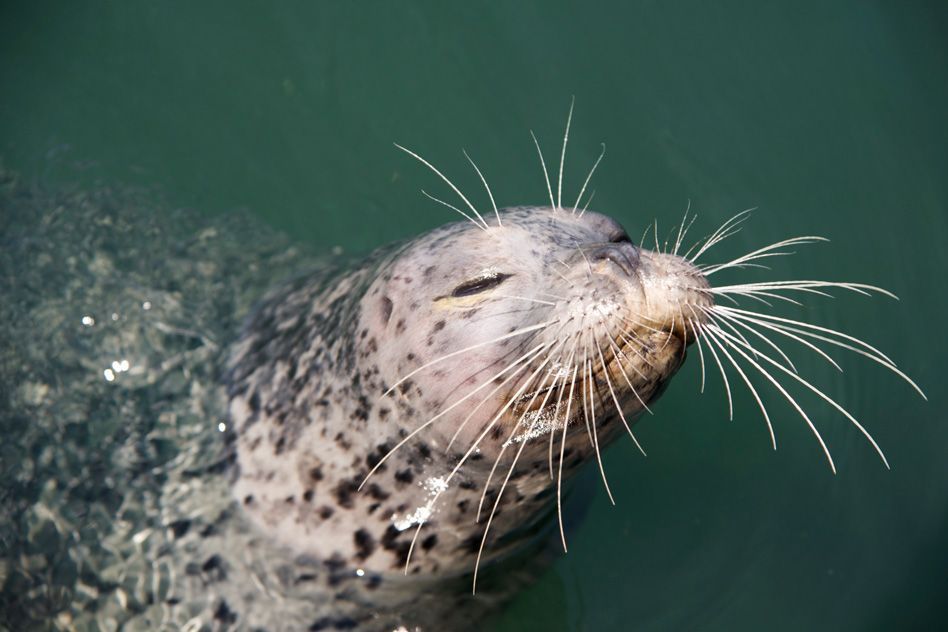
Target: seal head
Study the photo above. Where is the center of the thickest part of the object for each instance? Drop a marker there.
(423, 411)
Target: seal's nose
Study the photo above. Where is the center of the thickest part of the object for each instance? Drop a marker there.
(624, 254)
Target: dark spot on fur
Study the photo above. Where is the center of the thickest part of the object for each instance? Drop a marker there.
(462, 506)
(471, 544)
(316, 474)
(224, 614)
(326, 512)
(385, 307)
(344, 492)
(248, 499)
(213, 568)
(400, 326)
(376, 456)
(390, 543)
(438, 326)
(290, 500)
(377, 492)
(179, 527)
(364, 543)
(429, 542)
(308, 495)
(404, 476)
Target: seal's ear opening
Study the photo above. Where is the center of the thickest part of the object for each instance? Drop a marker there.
(385, 310)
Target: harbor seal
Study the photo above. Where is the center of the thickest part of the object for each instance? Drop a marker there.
(386, 444)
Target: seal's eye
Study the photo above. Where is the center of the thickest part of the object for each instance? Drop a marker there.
(619, 238)
(480, 284)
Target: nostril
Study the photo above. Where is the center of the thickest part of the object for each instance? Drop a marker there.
(630, 252)
(623, 254)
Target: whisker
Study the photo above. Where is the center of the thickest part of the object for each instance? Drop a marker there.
(727, 386)
(876, 356)
(824, 397)
(559, 476)
(615, 399)
(787, 396)
(719, 235)
(746, 324)
(539, 350)
(588, 177)
(768, 251)
(453, 208)
(591, 421)
(626, 375)
(524, 298)
(698, 341)
(546, 174)
(750, 386)
(588, 200)
(442, 413)
(484, 181)
(521, 419)
(513, 334)
(805, 325)
(446, 180)
(559, 186)
(731, 324)
(683, 229)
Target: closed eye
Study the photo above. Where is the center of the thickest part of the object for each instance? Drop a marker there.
(480, 284)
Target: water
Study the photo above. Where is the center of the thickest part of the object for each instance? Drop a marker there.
(828, 118)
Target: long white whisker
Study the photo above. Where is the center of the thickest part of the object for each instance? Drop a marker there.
(876, 356)
(615, 348)
(539, 349)
(453, 208)
(717, 236)
(591, 421)
(588, 200)
(525, 298)
(766, 251)
(559, 186)
(750, 386)
(559, 476)
(522, 418)
(447, 181)
(588, 178)
(615, 400)
(727, 386)
(805, 325)
(732, 324)
(745, 322)
(484, 181)
(442, 413)
(694, 330)
(513, 334)
(822, 396)
(546, 174)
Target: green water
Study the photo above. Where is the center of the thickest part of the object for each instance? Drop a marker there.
(830, 119)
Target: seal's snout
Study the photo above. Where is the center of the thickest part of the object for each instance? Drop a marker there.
(623, 254)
